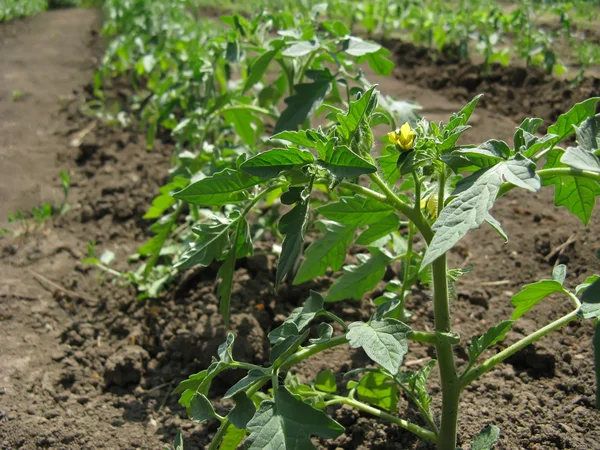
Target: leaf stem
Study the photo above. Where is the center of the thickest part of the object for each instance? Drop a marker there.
(490, 363)
(424, 434)
(546, 174)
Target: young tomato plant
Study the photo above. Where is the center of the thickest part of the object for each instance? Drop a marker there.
(433, 186)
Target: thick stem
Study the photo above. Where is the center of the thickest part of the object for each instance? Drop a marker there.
(444, 349)
(490, 363)
(424, 434)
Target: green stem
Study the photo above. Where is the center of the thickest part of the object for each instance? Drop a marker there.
(444, 348)
(546, 174)
(490, 363)
(424, 434)
(307, 352)
(306, 66)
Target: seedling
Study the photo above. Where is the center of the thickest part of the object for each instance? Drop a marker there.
(439, 190)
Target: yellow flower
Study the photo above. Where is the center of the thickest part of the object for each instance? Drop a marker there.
(430, 203)
(403, 137)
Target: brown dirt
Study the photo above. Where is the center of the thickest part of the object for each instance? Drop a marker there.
(97, 372)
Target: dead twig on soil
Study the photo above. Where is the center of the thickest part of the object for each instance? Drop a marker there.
(80, 135)
(47, 284)
(558, 251)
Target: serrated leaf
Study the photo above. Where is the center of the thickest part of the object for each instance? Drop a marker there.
(358, 279)
(212, 240)
(254, 375)
(578, 195)
(356, 211)
(380, 64)
(325, 382)
(590, 301)
(300, 106)
(378, 390)
(564, 125)
(384, 341)
(258, 69)
(201, 409)
(357, 47)
(579, 158)
(486, 438)
(464, 114)
(344, 163)
(350, 121)
(490, 337)
(532, 294)
(380, 229)
(293, 226)
(242, 412)
(520, 171)
(325, 332)
(288, 424)
(227, 186)
(299, 318)
(326, 251)
(588, 135)
(416, 382)
(271, 163)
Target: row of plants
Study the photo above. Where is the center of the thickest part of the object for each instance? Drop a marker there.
(277, 132)
(16, 9)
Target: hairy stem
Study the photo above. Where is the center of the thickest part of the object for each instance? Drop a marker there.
(490, 363)
(424, 434)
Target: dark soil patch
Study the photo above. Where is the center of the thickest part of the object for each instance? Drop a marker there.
(98, 373)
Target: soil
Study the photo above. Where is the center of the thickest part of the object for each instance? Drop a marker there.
(83, 364)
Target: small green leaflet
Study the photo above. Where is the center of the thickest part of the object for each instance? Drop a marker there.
(388, 163)
(271, 163)
(378, 390)
(233, 438)
(242, 412)
(588, 135)
(486, 438)
(301, 48)
(577, 194)
(178, 442)
(380, 64)
(293, 226)
(357, 110)
(462, 117)
(532, 294)
(325, 332)
(586, 284)
(242, 120)
(590, 301)
(357, 47)
(258, 69)
(564, 125)
(358, 279)
(253, 376)
(201, 408)
(416, 382)
(295, 137)
(357, 211)
(299, 318)
(227, 186)
(308, 97)
(329, 250)
(385, 341)
(288, 424)
(212, 240)
(344, 163)
(380, 229)
(491, 337)
(325, 382)
(579, 158)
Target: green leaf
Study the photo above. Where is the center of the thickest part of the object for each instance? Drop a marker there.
(201, 409)
(192, 383)
(491, 337)
(496, 226)
(486, 438)
(578, 195)
(288, 423)
(212, 240)
(336, 28)
(299, 318)
(301, 105)
(233, 438)
(358, 279)
(388, 163)
(242, 123)
(301, 49)
(225, 350)
(350, 121)
(325, 332)
(357, 211)
(564, 125)
(464, 114)
(378, 390)
(271, 163)
(380, 64)
(532, 294)
(586, 284)
(293, 226)
(588, 135)
(227, 186)
(590, 301)
(559, 273)
(285, 330)
(384, 341)
(357, 47)
(178, 442)
(326, 251)
(380, 229)
(325, 382)
(520, 171)
(579, 158)
(258, 69)
(284, 349)
(242, 412)
(296, 137)
(417, 385)
(344, 163)
(254, 375)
